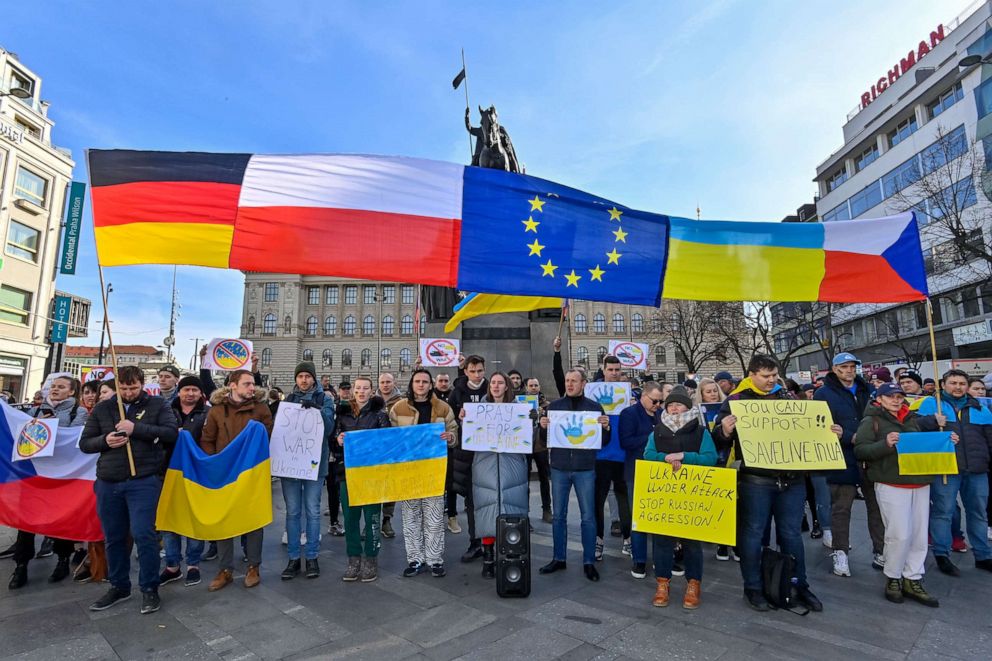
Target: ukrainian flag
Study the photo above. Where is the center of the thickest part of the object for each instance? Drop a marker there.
(927, 453)
(218, 496)
(395, 463)
(476, 305)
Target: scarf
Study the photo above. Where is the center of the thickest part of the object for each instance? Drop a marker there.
(747, 384)
(676, 421)
(957, 402)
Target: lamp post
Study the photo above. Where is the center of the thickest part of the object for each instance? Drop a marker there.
(972, 60)
(103, 328)
(18, 93)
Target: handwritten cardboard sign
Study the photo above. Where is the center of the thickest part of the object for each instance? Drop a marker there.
(227, 354)
(787, 434)
(574, 430)
(632, 355)
(498, 428)
(613, 397)
(297, 439)
(695, 502)
(530, 400)
(439, 352)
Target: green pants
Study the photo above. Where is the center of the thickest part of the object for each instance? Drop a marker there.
(353, 527)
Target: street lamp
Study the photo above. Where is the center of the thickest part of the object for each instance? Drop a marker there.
(972, 60)
(106, 320)
(18, 92)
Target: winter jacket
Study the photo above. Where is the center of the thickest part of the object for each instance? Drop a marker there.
(693, 439)
(635, 427)
(209, 385)
(392, 399)
(870, 445)
(325, 403)
(191, 422)
(155, 427)
(726, 442)
(568, 459)
(973, 424)
(226, 419)
(404, 414)
(847, 410)
(372, 416)
(461, 460)
(499, 486)
(558, 371)
(68, 412)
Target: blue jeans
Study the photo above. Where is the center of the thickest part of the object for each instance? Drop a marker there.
(758, 504)
(638, 540)
(822, 492)
(974, 489)
(174, 550)
(302, 496)
(585, 493)
(664, 556)
(124, 507)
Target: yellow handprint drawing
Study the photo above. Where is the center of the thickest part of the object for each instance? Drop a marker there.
(573, 431)
(611, 398)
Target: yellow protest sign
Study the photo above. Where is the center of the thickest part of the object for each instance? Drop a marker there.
(787, 434)
(695, 502)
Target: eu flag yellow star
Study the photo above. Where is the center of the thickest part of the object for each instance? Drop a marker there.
(535, 248)
(614, 257)
(620, 235)
(615, 214)
(549, 269)
(573, 279)
(537, 204)
(597, 273)
(530, 225)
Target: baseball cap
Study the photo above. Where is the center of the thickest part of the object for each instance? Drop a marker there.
(845, 357)
(889, 389)
(723, 376)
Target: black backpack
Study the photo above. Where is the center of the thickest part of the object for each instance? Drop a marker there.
(777, 573)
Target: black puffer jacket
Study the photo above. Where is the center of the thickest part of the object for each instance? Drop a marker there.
(191, 422)
(461, 460)
(574, 460)
(724, 442)
(155, 428)
(372, 416)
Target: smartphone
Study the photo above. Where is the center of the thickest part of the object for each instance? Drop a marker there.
(119, 433)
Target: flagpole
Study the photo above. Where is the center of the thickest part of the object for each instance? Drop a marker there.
(933, 351)
(113, 361)
(561, 320)
(468, 108)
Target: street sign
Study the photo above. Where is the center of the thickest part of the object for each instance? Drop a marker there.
(60, 319)
(73, 222)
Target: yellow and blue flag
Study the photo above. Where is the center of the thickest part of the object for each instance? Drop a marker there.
(218, 496)
(927, 453)
(395, 463)
(476, 305)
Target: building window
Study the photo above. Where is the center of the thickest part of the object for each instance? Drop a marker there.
(21, 81)
(944, 150)
(366, 358)
(330, 325)
(30, 186)
(637, 322)
(251, 325)
(866, 198)
(600, 355)
(840, 212)
(836, 179)
(385, 359)
(661, 356)
(15, 305)
(331, 295)
(599, 323)
(405, 356)
(269, 324)
(582, 355)
(346, 359)
(407, 294)
(368, 325)
(308, 354)
(618, 323)
(945, 101)
(313, 295)
(311, 325)
(350, 294)
(423, 325)
(389, 294)
(368, 294)
(581, 325)
(349, 325)
(406, 325)
(327, 358)
(866, 158)
(22, 241)
(903, 130)
(387, 325)
(271, 292)
(266, 356)
(903, 175)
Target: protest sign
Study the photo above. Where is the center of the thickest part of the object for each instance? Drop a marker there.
(613, 397)
(297, 438)
(497, 428)
(695, 502)
(530, 400)
(632, 355)
(96, 373)
(439, 352)
(395, 463)
(152, 389)
(787, 434)
(574, 430)
(35, 438)
(708, 412)
(227, 354)
(927, 453)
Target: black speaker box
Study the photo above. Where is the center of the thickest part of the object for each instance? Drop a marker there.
(512, 556)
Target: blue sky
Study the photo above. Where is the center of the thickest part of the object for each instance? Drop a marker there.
(658, 105)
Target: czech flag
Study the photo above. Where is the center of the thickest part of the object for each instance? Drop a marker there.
(395, 463)
(927, 453)
(218, 496)
(48, 495)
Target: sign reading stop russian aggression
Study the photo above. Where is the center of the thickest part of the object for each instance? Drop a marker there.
(297, 438)
(227, 354)
(498, 428)
(694, 502)
(787, 434)
(439, 352)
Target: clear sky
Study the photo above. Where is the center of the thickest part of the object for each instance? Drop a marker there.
(657, 105)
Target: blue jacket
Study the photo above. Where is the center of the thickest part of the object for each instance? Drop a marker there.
(846, 410)
(634, 428)
(574, 460)
(973, 425)
(706, 456)
(326, 404)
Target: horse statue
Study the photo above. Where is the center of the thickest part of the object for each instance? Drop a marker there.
(493, 148)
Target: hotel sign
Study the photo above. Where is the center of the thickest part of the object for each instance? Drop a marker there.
(902, 66)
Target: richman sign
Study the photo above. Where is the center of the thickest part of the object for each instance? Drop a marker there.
(902, 66)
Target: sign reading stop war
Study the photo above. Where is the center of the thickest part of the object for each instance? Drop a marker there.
(297, 439)
(787, 434)
(695, 502)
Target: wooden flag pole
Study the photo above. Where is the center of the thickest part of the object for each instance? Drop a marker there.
(933, 351)
(113, 361)
(561, 320)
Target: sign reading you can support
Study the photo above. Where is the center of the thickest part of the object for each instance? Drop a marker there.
(694, 502)
(297, 439)
(787, 434)
(498, 428)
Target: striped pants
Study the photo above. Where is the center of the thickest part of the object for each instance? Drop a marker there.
(423, 530)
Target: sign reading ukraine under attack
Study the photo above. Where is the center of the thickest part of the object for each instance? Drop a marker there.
(694, 502)
(787, 434)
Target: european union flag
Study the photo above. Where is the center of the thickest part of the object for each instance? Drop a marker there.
(526, 236)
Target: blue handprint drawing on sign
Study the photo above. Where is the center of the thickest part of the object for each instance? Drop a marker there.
(611, 398)
(572, 431)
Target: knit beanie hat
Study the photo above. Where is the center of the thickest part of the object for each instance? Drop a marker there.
(306, 366)
(914, 375)
(189, 381)
(680, 395)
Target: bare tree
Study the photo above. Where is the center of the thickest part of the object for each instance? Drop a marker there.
(779, 330)
(691, 327)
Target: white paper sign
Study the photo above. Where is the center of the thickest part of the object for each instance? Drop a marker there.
(34, 438)
(632, 355)
(439, 352)
(153, 389)
(574, 430)
(227, 354)
(297, 438)
(498, 428)
(613, 397)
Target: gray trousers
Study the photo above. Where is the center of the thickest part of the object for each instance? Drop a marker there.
(253, 549)
(841, 501)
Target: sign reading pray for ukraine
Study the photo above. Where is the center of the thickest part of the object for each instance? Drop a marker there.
(632, 355)
(613, 397)
(498, 428)
(787, 434)
(574, 430)
(296, 442)
(227, 354)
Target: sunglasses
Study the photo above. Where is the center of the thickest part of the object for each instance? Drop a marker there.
(656, 402)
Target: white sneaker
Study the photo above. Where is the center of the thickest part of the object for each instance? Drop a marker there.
(285, 538)
(625, 549)
(828, 539)
(453, 526)
(840, 563)
(599, 549)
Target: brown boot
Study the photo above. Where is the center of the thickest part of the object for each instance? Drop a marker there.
(252, 578)
(661, 594)
(223, 578)
(691, 599)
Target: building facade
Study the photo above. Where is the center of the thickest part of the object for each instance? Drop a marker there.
(149, 359)
(34, 175)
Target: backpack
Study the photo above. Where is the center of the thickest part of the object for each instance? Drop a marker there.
(778, 570)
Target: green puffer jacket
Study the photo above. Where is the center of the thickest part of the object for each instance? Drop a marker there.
(870, 446)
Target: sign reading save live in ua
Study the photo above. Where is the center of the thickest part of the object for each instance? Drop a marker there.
(902, 66)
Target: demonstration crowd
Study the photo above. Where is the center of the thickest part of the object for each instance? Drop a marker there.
(907, 514)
